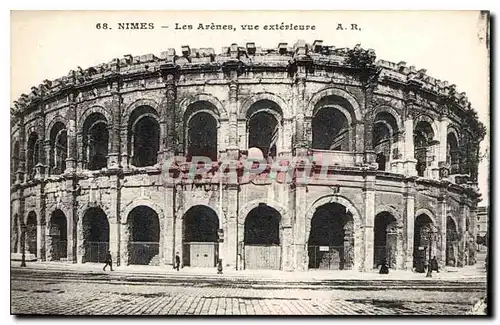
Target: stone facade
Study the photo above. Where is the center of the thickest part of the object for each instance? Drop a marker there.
(404, 149)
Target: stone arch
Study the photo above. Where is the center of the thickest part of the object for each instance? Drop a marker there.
(388, 241)
(57, 234)
(427, 119)
(219, 111)
(391, 210)
(94, 236)
(142, 252)
(141, 201)
(89, 205)
(138, 103)
(453, 130)
(57, 118)
(356, 218)
(91, 110)
(249, 206)
(201, 128)
(391, 111)
(428, 213)
(333, 198)
(245, 106)
(214, 207)
(334, 92)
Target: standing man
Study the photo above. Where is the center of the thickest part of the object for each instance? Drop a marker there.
(177, 261)
(108, 261)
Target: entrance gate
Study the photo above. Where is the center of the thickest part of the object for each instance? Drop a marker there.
(267, 257)
(331, 257)
(200, 254)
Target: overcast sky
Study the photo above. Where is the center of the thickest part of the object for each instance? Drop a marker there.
(450, 45)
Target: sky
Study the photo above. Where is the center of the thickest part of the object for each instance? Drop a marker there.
(449, 45)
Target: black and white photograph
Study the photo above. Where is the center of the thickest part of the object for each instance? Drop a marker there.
(250, 163)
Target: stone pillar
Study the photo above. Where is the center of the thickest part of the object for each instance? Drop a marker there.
(168, 132)
(168, 240)
(364, 132)
(22, 153)
(114, 240)
(410, 162)
(410, 224)
(473, 227)
(299, 106)
(463, 234)
(124, 146)
(71, 133)
(441, 214)
(71, 220)
(124, 239)
(178, 221)
(114, 216)
(286, 149)
(232, 148)
(443, 137)
(40, 229)
(231, 232)
(114, 127)
(369, 221)
(300, 253)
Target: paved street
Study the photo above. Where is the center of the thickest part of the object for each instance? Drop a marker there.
(99, 293)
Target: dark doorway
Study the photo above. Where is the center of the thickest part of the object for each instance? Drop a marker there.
(202, 136)
(331, 240)
(385, 240)
(95, 235)
(58, 235)
(144, 229)
(262, 238)
(31, 233)
(200, 247)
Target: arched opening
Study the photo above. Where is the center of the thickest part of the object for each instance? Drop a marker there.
(95, 235)
(385, 131)
(331, 241)
(423, 140)
(95, 142)
(452, 239)
(16, 235)
(144, 229)
(422, 242)
(453, 154)
(385, 240)
(262, 238)
(202, 136)
(15, 161)
(264, 119)
(330, 129)
(31, 234)
(200, 237)
(58, 149)
(33, 154)
(144, 136)
(58, 236)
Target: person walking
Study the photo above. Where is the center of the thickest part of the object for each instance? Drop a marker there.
(434, 264)
(384, 267)
(108, 261)
(177, 261)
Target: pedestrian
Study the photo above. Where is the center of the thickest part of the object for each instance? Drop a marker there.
(219, 266)
(434, 264)
(384, 268)
(177, 261)
(108, 261)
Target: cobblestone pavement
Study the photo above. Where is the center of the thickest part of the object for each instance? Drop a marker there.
(32, 295)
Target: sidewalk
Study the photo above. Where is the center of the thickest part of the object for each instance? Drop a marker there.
(468, 274)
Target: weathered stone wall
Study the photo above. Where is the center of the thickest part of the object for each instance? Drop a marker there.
(296, 79)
